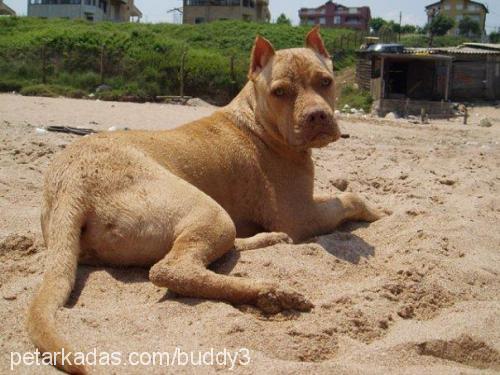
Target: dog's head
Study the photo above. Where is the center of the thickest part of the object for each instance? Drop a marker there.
(295, 93)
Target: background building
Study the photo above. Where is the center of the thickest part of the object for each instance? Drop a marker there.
(5, 10)
(91, 10)
(200, 11)
(457, 10)
(336, 15)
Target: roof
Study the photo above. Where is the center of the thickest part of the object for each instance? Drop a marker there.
(6, 10)
(489, 46)
(472, 2)
(415, 56)
(463, 49)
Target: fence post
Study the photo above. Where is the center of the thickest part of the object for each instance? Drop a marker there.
(44, 63)
(233, 75)
(101, 63)
(183, 63)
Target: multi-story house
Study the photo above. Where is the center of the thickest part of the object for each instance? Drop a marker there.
(5, 10)
(91, 10)
(336, 15)
(200, 11)
(457, 10)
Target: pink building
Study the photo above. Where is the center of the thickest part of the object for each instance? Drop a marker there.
(336, 15)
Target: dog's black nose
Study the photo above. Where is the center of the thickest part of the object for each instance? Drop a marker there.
(317, 117)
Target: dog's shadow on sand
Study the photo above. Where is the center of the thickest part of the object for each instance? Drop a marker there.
(345, 245)
(342, 244)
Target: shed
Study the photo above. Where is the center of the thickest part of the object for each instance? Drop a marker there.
(430, 77)
(406, 82)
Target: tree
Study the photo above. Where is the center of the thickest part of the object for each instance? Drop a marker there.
(377, 23)
(439, 26)
(408, 29)
(283, 20)
(467, 27)
(495, 37)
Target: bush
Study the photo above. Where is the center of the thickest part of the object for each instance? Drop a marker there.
(10, 85)
(355, 98)
(52, 91)
(39, 90)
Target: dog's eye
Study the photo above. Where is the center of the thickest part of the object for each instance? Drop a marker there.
(326, 82)
(279, 91)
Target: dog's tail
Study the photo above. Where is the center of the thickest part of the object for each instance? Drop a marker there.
(62, 237)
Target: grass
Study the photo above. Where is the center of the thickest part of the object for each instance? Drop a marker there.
(355, 98)
(138, 60)
(419, 40)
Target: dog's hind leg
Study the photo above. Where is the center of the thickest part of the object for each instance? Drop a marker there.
(206, 237)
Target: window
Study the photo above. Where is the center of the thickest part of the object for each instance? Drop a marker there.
(447, 7)
(460, 6)
(353, 10)
(198, 20)
(311, 22)
(459, 18)
(322, 21)
(337, 20)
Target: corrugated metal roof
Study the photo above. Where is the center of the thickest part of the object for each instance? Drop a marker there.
(458, 50)
(483, 46)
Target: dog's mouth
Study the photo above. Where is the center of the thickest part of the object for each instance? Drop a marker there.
(323, 137)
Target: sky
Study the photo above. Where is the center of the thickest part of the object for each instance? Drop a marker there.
(413, 10)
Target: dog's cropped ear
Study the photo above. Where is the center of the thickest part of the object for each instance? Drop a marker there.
(262, 52)
(315, 42)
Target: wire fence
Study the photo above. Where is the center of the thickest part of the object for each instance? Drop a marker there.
(145, 73)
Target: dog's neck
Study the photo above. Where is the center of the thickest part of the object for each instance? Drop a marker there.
(242, 112)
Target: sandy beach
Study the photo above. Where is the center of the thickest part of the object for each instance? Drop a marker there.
(416, 292)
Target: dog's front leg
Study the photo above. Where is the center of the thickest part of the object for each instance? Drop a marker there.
(328, 212)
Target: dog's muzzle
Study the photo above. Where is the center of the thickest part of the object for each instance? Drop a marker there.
(320, 127)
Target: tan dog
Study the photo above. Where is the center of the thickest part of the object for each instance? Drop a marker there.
(176, 200)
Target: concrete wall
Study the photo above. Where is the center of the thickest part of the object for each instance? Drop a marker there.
(412, 107)
(207, 13)
(116, 11)
(458, 9)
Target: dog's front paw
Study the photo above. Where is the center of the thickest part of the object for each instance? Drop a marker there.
(274, 300)
(279, 238)
(373, 214)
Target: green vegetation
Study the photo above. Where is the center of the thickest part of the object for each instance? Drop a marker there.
(64, 57)
(283, 20)
(495, 37)
(467, 26)
(355, 98)
(420, 40)
(379, 25)
(439, 26)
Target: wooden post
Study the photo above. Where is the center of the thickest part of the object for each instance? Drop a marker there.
(44, 63)
(447, 87)
(422, 115)
(183, 63)
(466, 115)
(490, 77)
(233, 75)
(101, 64)
(382, 80)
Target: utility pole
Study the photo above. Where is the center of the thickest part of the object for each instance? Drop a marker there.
(400, 21)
